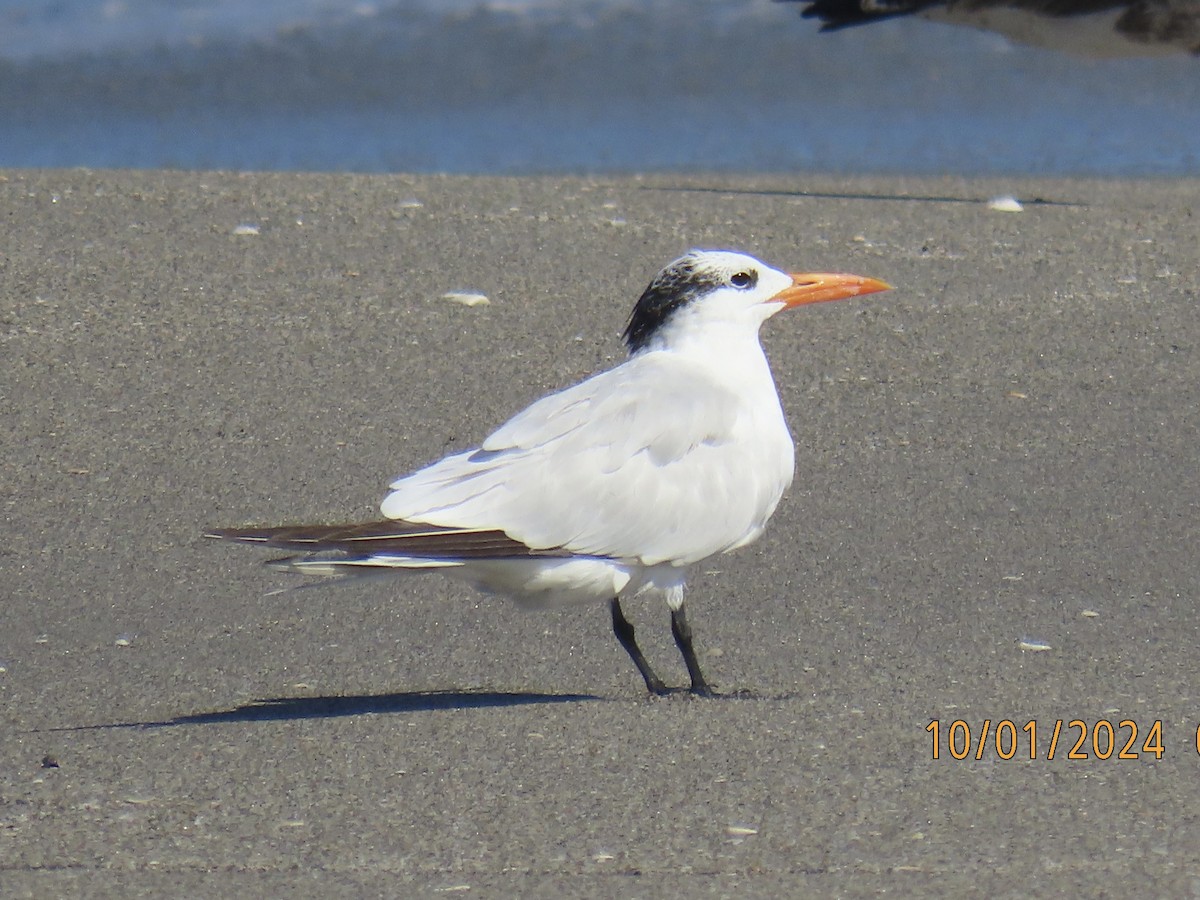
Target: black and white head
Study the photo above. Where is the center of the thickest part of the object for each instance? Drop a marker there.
(710, 289)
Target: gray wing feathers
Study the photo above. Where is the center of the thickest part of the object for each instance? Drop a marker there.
(598, 451)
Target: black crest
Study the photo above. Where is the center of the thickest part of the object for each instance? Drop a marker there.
(674, 287)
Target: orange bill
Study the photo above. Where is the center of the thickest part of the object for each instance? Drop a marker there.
(818, 287)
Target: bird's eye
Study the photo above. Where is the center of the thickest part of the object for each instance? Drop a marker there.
(742, 280)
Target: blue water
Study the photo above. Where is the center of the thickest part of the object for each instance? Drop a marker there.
(530, 86)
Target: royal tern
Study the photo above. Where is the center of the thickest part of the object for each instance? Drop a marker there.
(1084, 27)
(616, 485)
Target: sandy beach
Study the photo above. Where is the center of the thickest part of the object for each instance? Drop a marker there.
(994, 519)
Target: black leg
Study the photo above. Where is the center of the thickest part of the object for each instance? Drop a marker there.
(624, 632)
(683, 639)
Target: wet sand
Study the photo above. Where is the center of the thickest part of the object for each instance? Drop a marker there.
(994, 518)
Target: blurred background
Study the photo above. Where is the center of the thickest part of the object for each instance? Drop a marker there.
(568, 86)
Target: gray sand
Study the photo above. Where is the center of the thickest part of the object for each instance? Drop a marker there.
(1003, 449)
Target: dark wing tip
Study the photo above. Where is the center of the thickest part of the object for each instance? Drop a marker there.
(384, 537)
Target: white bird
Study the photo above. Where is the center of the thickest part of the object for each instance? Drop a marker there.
(1099, 28)
(614, 486)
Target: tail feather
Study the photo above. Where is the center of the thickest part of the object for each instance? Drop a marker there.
(357, 566)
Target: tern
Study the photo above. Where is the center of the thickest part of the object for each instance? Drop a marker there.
(617, 485)
(1100, 28)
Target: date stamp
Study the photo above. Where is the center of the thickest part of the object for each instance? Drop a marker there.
(1057, 739)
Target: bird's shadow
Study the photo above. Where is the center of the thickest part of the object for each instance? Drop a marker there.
(276, 709)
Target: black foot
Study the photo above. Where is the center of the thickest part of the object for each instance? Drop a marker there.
(706, 692)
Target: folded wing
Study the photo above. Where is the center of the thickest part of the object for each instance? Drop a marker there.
(652, 461)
